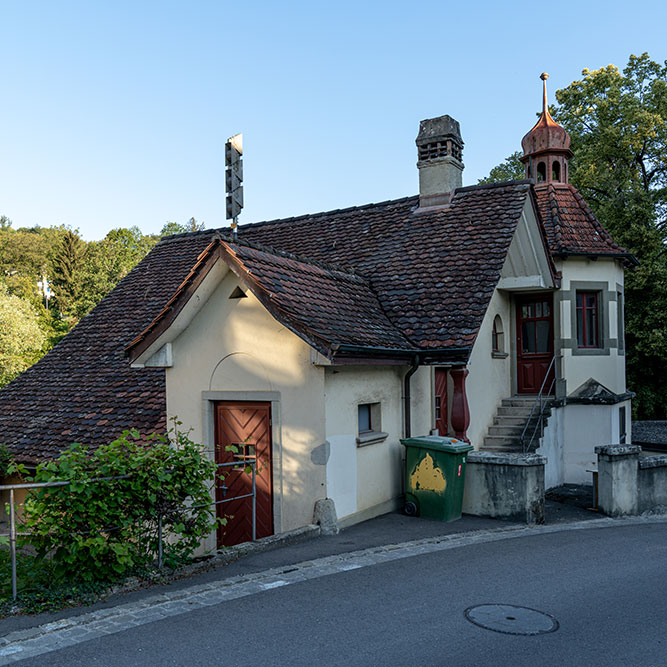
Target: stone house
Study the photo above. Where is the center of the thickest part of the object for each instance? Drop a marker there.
(315, 343)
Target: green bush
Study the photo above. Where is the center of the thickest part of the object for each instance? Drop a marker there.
(103, 531)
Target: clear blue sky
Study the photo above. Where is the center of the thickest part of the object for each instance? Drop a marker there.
(116, 113)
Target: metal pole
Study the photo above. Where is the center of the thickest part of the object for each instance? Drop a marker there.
(254, 502)
(159, 541)
(12, 540)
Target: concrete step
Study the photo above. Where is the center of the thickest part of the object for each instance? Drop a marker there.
(510, 430)
(514, 411)
(519, 401)
(512, 420)
(501, 441)
(505, 449)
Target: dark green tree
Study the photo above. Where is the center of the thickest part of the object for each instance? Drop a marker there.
(510, 170)
(67, 264)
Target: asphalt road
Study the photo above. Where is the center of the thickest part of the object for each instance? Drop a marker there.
(607, 588)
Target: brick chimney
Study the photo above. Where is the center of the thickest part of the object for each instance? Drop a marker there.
(439, 148)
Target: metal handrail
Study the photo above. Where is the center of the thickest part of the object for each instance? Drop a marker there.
(252, 462)
(539, 400)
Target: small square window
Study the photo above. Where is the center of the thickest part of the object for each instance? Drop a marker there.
(365, 418)
(369, 424)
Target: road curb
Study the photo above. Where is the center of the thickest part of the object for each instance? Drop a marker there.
(221, 558)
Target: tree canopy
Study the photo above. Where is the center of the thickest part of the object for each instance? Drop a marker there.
(617, 121)
(21, 336)
(511, 169)
(191, 225)
(80, 273)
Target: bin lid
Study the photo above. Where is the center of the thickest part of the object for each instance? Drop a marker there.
(440, 443)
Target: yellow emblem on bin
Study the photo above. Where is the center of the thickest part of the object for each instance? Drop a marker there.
(427, 476)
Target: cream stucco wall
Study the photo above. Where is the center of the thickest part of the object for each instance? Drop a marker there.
(421, 400)
(490, 378)
(607, 365)
(235, 348)
(366, 480)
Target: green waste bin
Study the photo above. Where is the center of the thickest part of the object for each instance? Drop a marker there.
(434, 476)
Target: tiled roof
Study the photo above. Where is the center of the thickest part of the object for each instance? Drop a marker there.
(571, 226)
(400, 277)
(323, 304)
(433, 271)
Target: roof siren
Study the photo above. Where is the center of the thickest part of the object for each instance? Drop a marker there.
(234, 179)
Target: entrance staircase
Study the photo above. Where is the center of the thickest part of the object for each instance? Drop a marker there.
(513, 415)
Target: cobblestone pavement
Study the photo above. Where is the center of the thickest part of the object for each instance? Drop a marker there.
(65, 632)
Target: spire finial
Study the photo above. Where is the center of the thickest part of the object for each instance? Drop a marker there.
(544, 76)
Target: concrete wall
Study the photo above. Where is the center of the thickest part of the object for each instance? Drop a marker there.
(490, 378)
(234, 350)
(551, 447)
(508, 486)
(570, 437)
(606, 365)
(653, 484)
(629, 484)
(584, 427)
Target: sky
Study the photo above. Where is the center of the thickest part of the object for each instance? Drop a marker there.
(115, 113)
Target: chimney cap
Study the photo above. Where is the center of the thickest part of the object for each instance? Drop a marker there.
(438, 129)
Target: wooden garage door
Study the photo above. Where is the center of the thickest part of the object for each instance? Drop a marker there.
(247, 426)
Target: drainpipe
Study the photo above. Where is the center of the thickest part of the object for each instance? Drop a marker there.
(406, 412)
(406, 394)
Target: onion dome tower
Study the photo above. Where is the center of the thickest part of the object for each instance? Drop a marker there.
(546, 148)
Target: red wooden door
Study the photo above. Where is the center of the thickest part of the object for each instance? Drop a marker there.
(534, 328)
(247, 426)
(441, 401)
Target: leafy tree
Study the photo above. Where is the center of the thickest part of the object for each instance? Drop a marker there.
(66, 270)
(510, 170)
(110, 260)
(5, 223)
(618, 124)
(191, 225)
(23, 252)
(21, 337)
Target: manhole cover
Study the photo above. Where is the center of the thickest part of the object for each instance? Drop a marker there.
(511, 620)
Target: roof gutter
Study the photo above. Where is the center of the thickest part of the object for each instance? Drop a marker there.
(453, 354)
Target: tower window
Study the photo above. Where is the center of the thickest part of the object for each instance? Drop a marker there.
(555, 171)
(587, 319)
(541, 172)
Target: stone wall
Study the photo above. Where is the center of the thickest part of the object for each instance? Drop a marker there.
(505, 486)
(630, 484)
